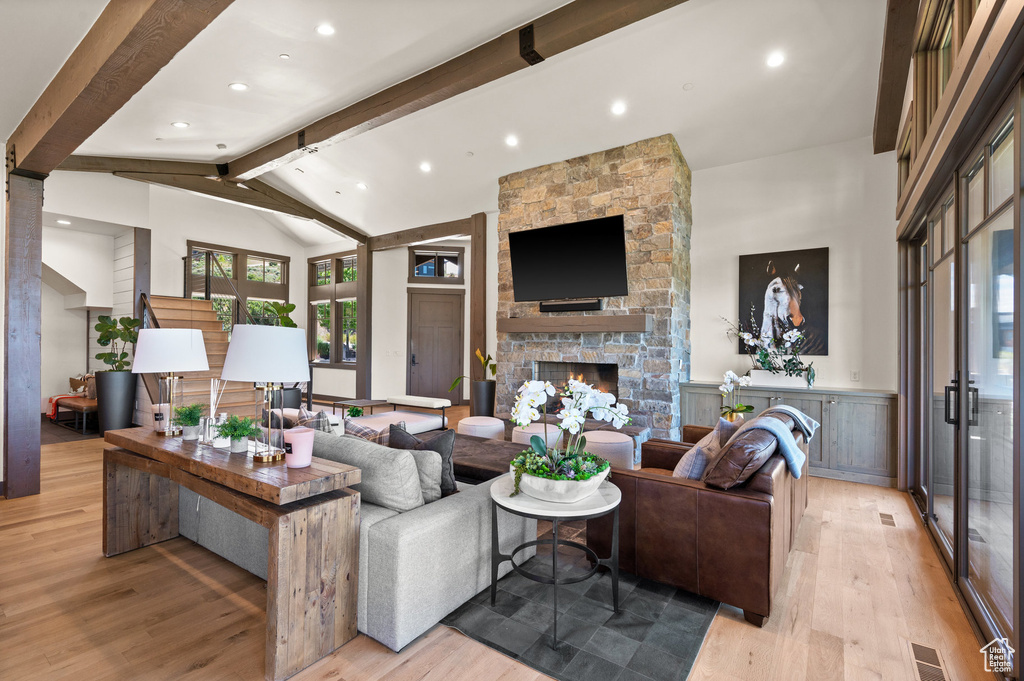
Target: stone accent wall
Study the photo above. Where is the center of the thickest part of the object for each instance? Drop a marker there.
(649, 183)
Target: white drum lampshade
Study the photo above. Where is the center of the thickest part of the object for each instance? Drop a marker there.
(162, 351)
(266, 354)
(169, 351)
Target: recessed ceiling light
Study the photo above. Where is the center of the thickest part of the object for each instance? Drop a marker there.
(775, 59)
(284, 55)
(159, 139)
(687, 86)
(63, 222)
(511, 140)
(425, 167)
(222, 146)
(469, 154)
(239, 86)
(325, 29)
(618, 107)
(180, 124)
(361, 185)
(300, 170)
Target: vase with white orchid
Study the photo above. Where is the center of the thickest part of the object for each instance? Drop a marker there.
(572, 463)
(732, 408)
(777, 356)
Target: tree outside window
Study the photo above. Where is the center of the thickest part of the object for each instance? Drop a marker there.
(348, 340)
(322, 310)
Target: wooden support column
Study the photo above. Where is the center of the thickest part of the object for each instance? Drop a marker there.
(142, 266)
(23, 281)
(364, 316)
(478, 295)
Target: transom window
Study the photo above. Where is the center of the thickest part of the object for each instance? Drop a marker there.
(264, 269)
(436, 266)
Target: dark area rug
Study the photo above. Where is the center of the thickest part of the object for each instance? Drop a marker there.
(655, 637)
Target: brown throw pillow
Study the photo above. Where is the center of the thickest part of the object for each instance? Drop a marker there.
(443, 443)
(706, 451)
(90, 387)
(742, 456)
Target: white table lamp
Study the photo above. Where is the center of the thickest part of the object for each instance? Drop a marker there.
(169, 351)
(271, 355)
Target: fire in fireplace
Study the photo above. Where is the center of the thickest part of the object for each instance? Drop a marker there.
(604, 377)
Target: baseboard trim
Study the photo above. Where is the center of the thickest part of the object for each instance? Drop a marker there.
(865, 478)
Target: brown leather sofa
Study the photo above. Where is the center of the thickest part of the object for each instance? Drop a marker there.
(727, 545)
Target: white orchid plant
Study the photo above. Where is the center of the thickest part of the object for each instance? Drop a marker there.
(730, 389)
(578, 400)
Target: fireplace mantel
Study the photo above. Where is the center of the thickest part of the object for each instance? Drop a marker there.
(629, 323)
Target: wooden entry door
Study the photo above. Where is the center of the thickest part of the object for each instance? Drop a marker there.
(436, 320)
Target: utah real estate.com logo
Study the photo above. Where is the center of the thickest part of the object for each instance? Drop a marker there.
(998, 654)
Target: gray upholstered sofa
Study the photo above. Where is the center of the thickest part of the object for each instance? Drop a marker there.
(415, 566)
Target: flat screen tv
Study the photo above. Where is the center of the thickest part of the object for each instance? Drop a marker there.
(584, 259)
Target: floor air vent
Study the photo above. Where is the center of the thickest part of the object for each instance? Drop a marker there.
(927, 663)
(887, 519)
(974, 535)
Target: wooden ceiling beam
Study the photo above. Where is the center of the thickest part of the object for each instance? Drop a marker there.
(897, 50)
(562, 29)
(130, 41)
(228, 191)
(255, 193)
(307, 211)
(416, 235)
(114, 164)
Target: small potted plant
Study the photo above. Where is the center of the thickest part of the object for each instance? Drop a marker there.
(355, 412)
(239, 430)
(115, 387)
(732, 408)
(481, 392)
(188, 418)
(563, 476)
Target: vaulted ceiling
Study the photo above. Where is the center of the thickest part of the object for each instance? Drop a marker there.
(697, 70)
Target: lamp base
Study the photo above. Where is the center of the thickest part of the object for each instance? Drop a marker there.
(170, 432)
(269, 457)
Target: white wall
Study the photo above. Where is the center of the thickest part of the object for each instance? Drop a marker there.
(98, 196)
(840, 196)
(63, 344)
(85, 259)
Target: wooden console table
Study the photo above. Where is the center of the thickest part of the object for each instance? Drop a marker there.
(313, 523)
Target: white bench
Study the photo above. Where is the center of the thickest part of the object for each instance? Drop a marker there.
(423, 403)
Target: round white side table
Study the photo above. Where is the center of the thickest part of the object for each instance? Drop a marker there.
(605, 500)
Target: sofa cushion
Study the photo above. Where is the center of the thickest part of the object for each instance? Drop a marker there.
(390, 477)
(315, 420)
(743, 455)
(428, 466)
(705, 452)
(365, 432)
(442, 443)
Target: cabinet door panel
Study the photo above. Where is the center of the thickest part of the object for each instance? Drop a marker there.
(700, 406)
(813, 407)
(861, 430)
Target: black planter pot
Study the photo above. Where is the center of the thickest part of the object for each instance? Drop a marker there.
(115, 398)
(482, 398)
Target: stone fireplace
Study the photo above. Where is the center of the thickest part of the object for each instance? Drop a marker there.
(648, 182)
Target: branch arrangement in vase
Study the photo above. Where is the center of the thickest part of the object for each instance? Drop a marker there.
(486, 362)
(573, 462)
(770, 354)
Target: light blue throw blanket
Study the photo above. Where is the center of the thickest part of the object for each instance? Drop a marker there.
(791, 451)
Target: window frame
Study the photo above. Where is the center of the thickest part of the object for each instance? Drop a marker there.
(336, 292)
(459, 251)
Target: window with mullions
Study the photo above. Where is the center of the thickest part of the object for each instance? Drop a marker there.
(348, 269)
(440, 266)
(261, 312)
(264, 269)
(348, 341)
(322, 273)
(322, 338)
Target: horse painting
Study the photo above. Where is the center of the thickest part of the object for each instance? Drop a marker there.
(787, 291)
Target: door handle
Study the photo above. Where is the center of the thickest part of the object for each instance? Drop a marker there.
(413, 361)
(973, 399)
(950, 410)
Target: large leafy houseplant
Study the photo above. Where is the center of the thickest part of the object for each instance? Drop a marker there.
(573, 463)
(115, 387)
(117, 334)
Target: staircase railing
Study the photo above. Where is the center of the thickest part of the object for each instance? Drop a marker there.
(149, 321)
(205, 276)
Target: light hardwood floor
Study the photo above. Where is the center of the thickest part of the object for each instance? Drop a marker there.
(854, 592)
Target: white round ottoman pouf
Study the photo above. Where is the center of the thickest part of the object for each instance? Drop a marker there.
(482, 426)
(616, 447)
(522, 434)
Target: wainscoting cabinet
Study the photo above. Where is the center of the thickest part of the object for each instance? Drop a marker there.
(857, 440)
